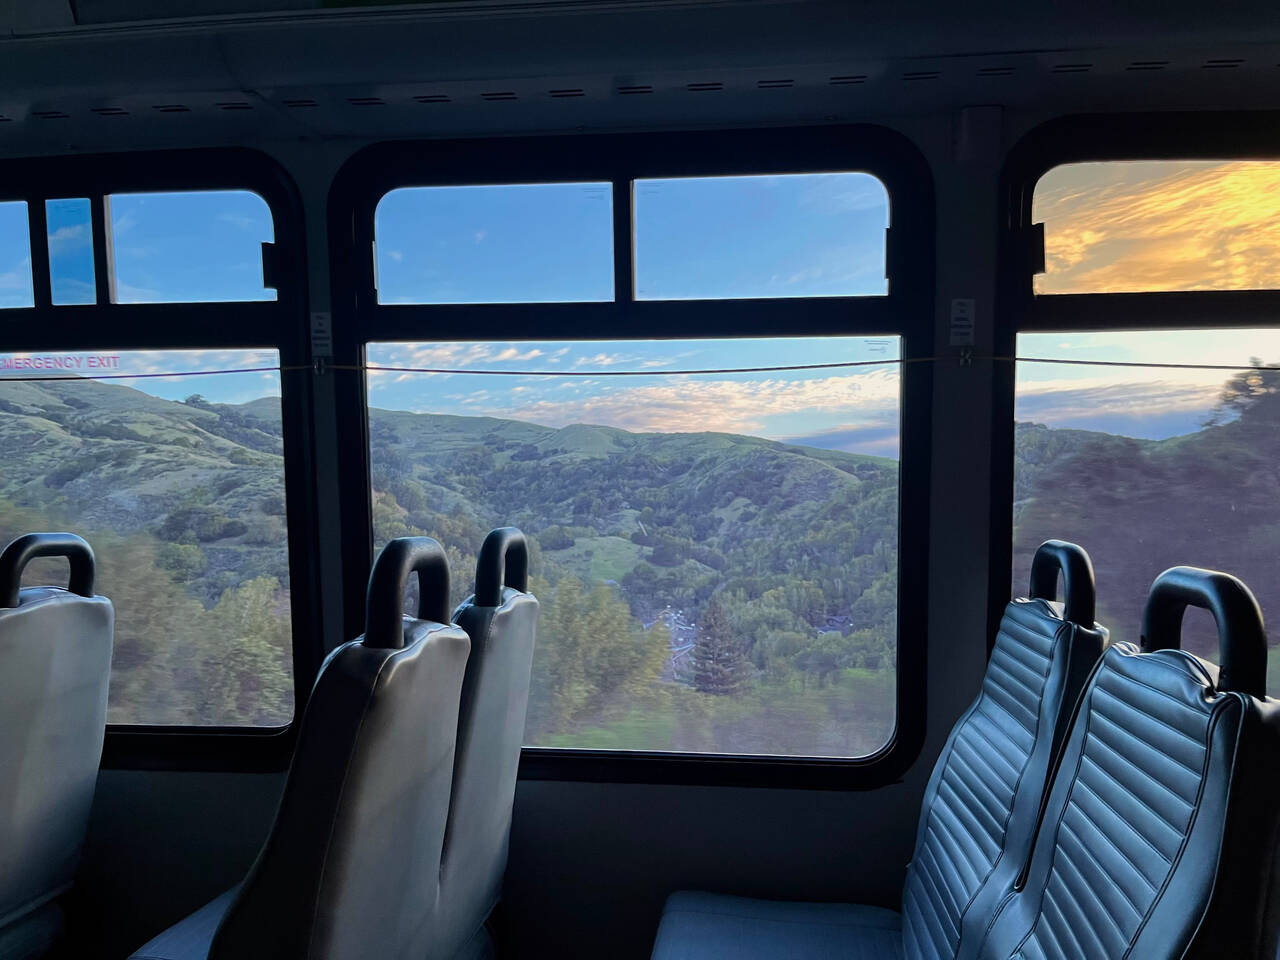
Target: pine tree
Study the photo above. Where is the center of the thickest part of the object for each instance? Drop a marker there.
(719, 663)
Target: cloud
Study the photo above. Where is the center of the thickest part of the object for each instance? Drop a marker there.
(239, 220)
(1087, 403)
(396, 255)
(602, 360)
(512, 353)
(479, 236)
(1151, 226)
(68, 238)
(695, 405)
(876, 439)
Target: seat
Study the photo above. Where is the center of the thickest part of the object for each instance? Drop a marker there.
(980, 807)
(351, 867)
(501, 618)
(1159, 839)
(55, 663)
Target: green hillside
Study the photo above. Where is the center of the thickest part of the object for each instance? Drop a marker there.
(1139, 506)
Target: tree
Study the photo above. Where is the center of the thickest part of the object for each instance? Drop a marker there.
(719, 664)
(1246, 390)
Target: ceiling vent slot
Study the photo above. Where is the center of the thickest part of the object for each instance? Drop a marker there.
(922, 75)
(171, 108)
(50, 115)
(366, 101)
(1147, 65)
(432, 98)
(567, 92)
(774, 84)
(635, 88)
(704, 87)
(109, 111)
(4, 119)
(499, 95)
(234, 105)
(302, 102)
(995, 72)
(848, 79)
(1071, 68)
(1225, 63)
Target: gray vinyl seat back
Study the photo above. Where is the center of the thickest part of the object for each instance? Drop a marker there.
(987, 788)
(1159, 836)
(351, 868)
(55, 664)
(501, 618)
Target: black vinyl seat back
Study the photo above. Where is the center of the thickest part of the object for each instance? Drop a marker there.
(55, 664)
(1159, 835)
(986, 791)
(501, 618)
(351, 868)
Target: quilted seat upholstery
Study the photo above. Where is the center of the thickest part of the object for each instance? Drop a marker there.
(1159, 834)
(982, 801)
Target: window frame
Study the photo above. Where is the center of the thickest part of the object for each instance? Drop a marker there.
(905, 311)
(1224, 135)
(278, 325)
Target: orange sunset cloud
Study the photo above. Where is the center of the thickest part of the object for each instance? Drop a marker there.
(1160, 225)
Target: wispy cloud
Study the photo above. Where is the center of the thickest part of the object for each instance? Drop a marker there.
(1154, 226)
(728, 406)
(240, 220)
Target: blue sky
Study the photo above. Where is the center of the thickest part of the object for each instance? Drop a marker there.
(805, 235)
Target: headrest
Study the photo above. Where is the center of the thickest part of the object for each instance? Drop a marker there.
(504, 560)
(1079, 593)
(24, 549)
(1242, 639)
(384, 623)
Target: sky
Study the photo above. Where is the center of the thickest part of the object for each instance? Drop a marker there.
(1109, 227)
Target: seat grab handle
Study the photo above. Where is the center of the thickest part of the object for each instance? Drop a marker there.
(1242, 639)
(26, 548)
(1078, 589)
(384, 602)
(504, 560)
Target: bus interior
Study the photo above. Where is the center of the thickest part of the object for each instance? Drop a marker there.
(639, 478)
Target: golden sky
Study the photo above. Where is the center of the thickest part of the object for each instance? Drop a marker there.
(1134, 226)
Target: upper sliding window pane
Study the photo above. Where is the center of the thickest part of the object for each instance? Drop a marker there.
(795, 235)
(505, 243)
(196, 247)
(1149, 468)
(716, 554)
(1160, 225)
(72, 281)
(177, 482)
(16, 287)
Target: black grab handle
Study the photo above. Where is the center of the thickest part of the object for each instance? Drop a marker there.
(1078, 589)
(1241, 637)
(23, 550)
(384, 603)
(504, 559)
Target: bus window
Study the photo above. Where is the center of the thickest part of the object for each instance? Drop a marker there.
(71, 271)
(715, 552)
(1151, 467)
(796, 235)
(177, 481)
(505, 243)
(191, 247)
(1158, 225)
(16, 286)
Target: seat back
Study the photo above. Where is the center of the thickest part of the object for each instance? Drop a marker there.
(351, 868)
(985, 794)
(500, 618)
(55, 663)
(1159, 836)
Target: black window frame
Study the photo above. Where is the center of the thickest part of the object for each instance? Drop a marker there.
(278, 325)
(906, 311)
(1224, 135)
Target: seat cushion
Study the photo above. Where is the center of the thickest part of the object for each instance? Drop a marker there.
(698, 926)
(189, 939)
